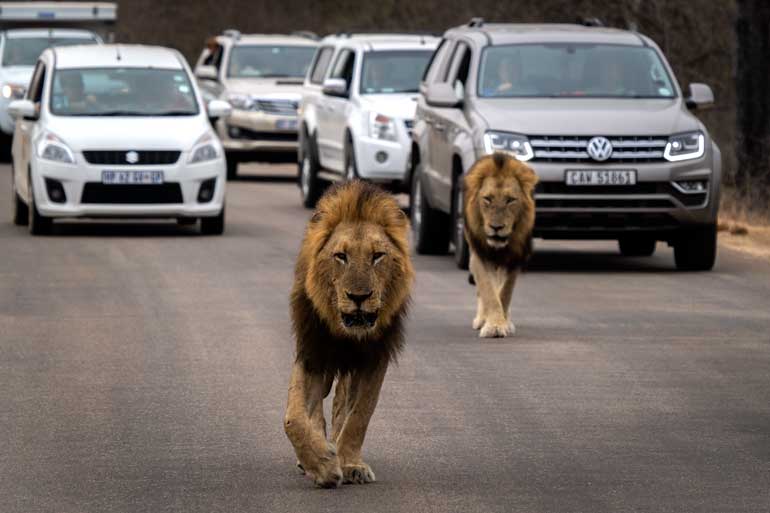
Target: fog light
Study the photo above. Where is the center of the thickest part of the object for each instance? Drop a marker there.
(692, 186)
(381, 156)
(206, 192)
(234, 132)
(55, 190)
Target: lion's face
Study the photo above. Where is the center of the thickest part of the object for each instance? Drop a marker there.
(360, 261)
(501, 204)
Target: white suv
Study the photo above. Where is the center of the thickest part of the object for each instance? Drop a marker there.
(116, 131)
(358, 106)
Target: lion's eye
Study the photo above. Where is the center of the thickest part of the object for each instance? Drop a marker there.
(377, 257)
(510, 201)
(342, 257)
(487, 200)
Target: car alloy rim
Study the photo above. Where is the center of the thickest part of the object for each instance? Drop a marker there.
(351, 171)
(459, 221)
(416, 205)
(305, 175)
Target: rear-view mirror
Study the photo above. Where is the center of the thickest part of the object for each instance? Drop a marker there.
(442, 94)
(701, 97)
(22, 109)
(206, 73)
(335, 87)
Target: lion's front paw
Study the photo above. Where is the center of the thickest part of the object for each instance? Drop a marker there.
(478, 322)
(493, 329)
(326, 473)
(359, 473)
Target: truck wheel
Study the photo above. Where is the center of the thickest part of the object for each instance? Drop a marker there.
(38, 224)
(637, 246)
(351, 170)
(462, 252)
(696, 249)
(311, 187)
(214, 225)
(232, 166)
(19, 209)
(430, 227)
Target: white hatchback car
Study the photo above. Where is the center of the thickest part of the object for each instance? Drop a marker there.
(116, 131)
(358, 106)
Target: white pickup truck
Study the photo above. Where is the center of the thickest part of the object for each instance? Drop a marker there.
(28, 28)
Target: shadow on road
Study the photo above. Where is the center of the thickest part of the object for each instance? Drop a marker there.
(265, 178)
(124, 229)
(581, 261)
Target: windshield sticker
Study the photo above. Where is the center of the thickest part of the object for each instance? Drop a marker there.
(184, 88)
(664, 92)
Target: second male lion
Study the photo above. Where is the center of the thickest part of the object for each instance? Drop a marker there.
(351, 287)
(499, 214)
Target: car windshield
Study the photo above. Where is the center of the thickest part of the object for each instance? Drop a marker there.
(24, 51)
(263, 61)
(399, 71)
(122, 92)
(573, 71)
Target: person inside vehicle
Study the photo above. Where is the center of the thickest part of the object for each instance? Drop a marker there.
(73, 96)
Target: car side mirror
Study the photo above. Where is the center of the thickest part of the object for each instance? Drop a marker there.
(701, 97)
(207, 72)
(335, 87)
(23, 109)
(442, 94)
(218, 109)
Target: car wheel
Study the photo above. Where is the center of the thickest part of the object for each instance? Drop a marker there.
(351, 170)
(462, 253)
(232, 166)
(214, 225)
(430, 227)
(19, 209)
(38, 224)
(311, 187)
(696, 249)
(637, 246)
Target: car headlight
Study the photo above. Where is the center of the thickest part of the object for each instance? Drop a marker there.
(13, 91)
(382, 127)
(240, 101)
(687, 146)
(54, 149)
(205, 148)
(515, 144)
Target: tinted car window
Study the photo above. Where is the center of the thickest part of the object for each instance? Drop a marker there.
(393, 71)
(321, 64)
(24, 51)
(263, 61)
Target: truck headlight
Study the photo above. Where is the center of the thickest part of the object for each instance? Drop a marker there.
(54, 149)
(687, 146)
(382, 127)
(240, 101)
(515, 144)
(13, 91)
(204, 149)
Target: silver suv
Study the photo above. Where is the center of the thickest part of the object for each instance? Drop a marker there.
(261, 76)
(596, 112)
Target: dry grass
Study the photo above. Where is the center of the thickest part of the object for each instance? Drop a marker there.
(742, 227)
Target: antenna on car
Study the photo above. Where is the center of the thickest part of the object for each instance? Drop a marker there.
(590, 21)
(476, 22)
(117, 53)
(234, 33)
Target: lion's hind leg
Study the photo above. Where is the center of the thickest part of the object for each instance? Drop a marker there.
(317, 457)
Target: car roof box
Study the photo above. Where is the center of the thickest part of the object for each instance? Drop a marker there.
(94, 16)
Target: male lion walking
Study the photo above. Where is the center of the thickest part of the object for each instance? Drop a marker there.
(499, 214)
(351, 288)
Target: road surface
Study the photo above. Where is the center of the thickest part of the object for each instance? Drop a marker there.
(143, 368)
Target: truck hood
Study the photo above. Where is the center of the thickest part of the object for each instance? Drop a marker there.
(584, 116)
(140, 133)
(283, 88)
(399, 106)
(16, 75)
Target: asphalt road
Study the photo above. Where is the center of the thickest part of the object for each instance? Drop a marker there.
(143, 368)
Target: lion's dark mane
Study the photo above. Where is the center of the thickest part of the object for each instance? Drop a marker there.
(508, 257)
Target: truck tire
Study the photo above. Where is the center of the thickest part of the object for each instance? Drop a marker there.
(430, 227)
(38, 224)
(311, 187)
(214, 225)
(462, 252)
(696, 249)
(19, 209)
(232, 166)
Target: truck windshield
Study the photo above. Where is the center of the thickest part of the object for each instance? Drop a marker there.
(24, 51)
(262, 61)
(572, 71)
(399, 71)
(122, 92)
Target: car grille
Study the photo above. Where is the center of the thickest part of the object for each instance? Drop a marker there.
(574, 197)
(120, 157)
(280, 107)
(409, 124)
(131, 194)
(603, 221)
(244, 133)
(629, 149)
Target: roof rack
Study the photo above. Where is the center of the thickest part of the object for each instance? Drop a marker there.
(353, 33)
(307, 34)
(235, 34)
(590, 21)
(476, 22)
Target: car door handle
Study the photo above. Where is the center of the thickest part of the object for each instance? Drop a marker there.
(439, 127)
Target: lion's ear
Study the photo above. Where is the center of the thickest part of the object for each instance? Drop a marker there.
(527, 179)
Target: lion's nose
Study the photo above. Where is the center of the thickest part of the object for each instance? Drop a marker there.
(358, 299)
(497, 227)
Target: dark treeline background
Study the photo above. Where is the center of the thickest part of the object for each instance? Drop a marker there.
(697, 36)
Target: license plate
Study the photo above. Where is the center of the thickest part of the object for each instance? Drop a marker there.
(601, 177)
(132, 177)
(286, 124)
